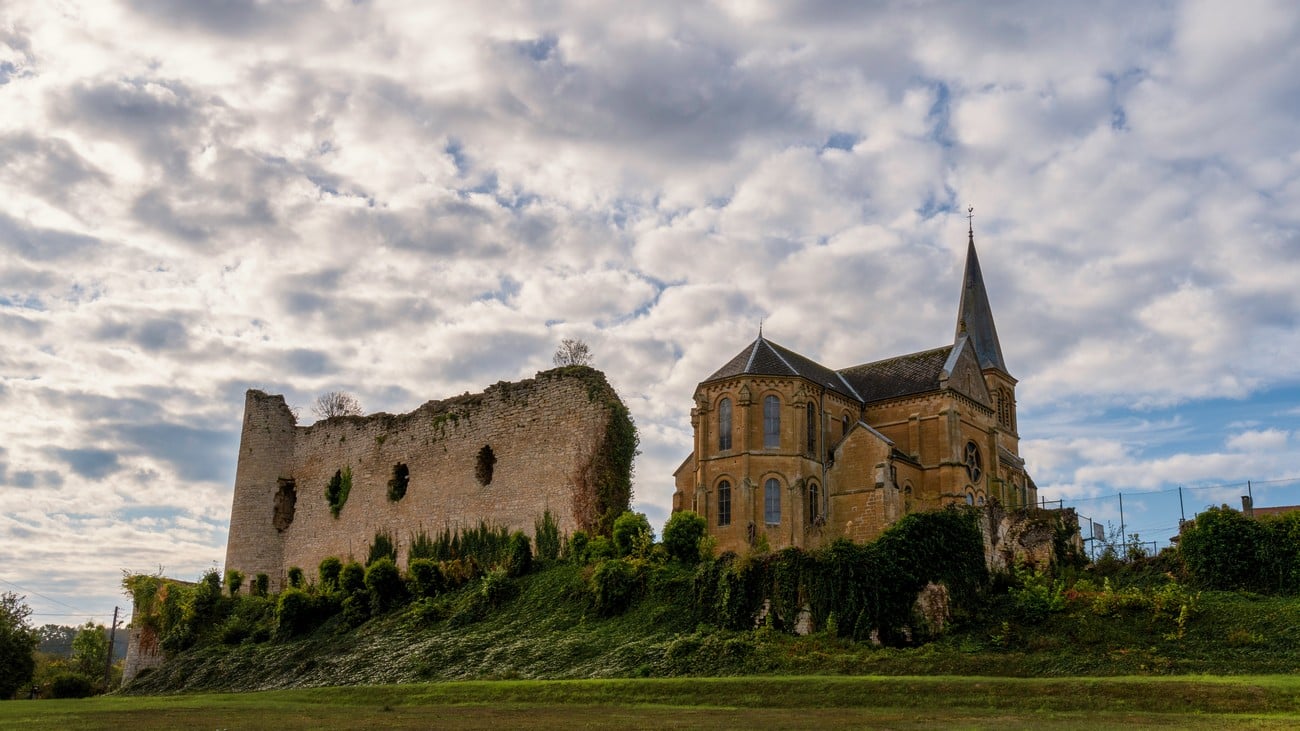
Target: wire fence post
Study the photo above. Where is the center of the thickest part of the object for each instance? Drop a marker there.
(1123, 534)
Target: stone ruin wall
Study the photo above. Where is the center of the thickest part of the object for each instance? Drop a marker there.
(542, 432)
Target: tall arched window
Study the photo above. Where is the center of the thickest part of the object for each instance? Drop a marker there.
(771, 422)
(724, 503)
(724, 425)
(814, 503)
(772, 501)
(844, 426)
(812, 428)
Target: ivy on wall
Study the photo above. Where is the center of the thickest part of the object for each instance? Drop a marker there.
(336, 492)
(604, 485)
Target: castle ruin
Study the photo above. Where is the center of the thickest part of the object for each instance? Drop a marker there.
(562, 442)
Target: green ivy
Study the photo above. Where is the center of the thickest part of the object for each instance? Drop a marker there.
(336, 492)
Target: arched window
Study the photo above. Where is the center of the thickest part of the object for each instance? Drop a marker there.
(970, 497)
(724, 425)
(844, 426)
(979, 499)
(812, 428)
(814, 503)
(772, 501)
(724, 503)
(907, 498)
(771, 422)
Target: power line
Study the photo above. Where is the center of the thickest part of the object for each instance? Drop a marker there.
(46, 598)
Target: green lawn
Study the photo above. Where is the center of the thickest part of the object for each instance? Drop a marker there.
(768, 702)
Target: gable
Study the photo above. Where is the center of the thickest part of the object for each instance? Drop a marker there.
(962, 373)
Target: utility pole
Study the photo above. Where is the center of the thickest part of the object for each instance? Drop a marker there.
(1182, 515)
(112, 635)
(1123, 537)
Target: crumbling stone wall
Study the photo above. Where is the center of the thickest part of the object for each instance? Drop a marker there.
(1032, 537)
(502, 456)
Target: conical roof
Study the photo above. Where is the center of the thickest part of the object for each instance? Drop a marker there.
(975, 317)
(765, 358)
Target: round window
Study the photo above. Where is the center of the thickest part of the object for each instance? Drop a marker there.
(974, 464)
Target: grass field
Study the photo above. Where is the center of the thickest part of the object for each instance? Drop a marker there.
(764, 702)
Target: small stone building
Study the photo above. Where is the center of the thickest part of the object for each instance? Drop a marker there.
(800, 454)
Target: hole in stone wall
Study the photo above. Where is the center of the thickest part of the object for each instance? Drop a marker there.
(397, 485)
(286, 498)
(486, 461)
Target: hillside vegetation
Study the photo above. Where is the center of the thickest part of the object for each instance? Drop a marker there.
(583, 611)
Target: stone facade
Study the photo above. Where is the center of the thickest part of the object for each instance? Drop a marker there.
(503, 457)
(792, 453)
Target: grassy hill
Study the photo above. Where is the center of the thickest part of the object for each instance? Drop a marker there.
(545, 625)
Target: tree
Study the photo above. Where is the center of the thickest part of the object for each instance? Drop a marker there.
(572, 352)
(682, 536)
(632, 533)
(336, 403)
(17, 644)
(90, 650)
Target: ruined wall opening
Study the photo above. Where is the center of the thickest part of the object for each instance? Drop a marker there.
(286, 499)
(397, 485)
(486, 464)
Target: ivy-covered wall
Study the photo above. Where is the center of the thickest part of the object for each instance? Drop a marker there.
(562, 442)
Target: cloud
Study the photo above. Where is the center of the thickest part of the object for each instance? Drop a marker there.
(92, 464)
(408, 201)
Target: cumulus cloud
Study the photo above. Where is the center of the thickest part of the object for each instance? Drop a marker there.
(407, 201)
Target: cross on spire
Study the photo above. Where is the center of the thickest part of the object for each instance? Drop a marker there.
(970, 222)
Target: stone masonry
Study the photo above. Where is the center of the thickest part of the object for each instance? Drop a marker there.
(502, 457)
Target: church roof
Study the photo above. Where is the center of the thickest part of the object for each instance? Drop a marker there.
(901, 376)
(765, 358)
(975, 317)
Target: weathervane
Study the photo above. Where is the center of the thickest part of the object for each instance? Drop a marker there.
(970, 219)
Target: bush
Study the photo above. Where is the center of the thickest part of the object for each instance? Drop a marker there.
(296, 613)
(295, 577)
(427, 578)
(682, 536)
(71, 685)
(578, 546)
(1220, 549)
(614, 586)
(352, 578)
(519, 560)
(547, 535)
(632, 534)
(329, 573)
(261, 585)
(381, 547)
(234, 581)
(336, 492)
(385, 586)
(598, 549)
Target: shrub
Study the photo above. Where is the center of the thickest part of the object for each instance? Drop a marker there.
(682, 536)
(1221, 548)
(329, 573)
(632, 534)
(598, 549)
(71, 685)
(295, 577)
(352, 578)
(519, 560)
(261, 585)
(547, 535)
(296, 613)
(578, 546)
(1037, 596)
(385, 586)
(234, 581)
(427, 577)
(613, 586)
(381, 547)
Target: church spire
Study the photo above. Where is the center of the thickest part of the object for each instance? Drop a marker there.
(974, 316)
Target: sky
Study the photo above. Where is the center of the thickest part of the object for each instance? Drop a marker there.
(407, 201)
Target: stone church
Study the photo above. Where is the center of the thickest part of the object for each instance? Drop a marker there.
(802, 454)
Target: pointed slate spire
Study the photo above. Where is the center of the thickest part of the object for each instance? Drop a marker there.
(974, 316)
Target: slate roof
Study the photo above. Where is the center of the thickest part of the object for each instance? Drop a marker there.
(975, 317)
(901, 376)
(765, 358)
